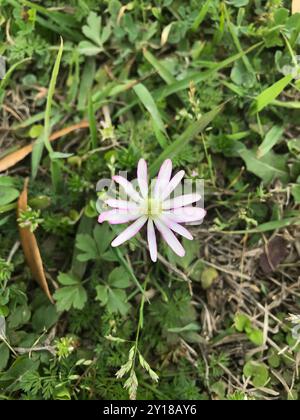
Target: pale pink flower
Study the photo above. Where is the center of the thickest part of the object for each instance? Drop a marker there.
(154, 208)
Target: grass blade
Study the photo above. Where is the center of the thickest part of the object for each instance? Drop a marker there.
(92, 123)
(128, 269)
(201, 16)
(272, 137)
(147, 100)
(51, 90)
(160, 68)
(6, 78)
(268, 95)
(191, 132)
(196, 78)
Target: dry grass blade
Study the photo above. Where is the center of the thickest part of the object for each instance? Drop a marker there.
(30, 247)
(13, 158)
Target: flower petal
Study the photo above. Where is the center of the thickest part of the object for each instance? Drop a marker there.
(117, 216)
(170, 238)
(176, 227)
(172, 184)
(186, 214)
(122, 204)
(152, 240)
(181, 201)
(142, 176)
(128, 188)
(163, 178)
(131, 231)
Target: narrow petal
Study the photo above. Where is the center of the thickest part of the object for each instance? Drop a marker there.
(152, 240)
(128, 188)
(180, 201)
(172, 184)
(186, 214)
(142, 176)
(170, 238)
(122, 204)
(163, 178)
(116, 217)
(171, 224)
(131, 231)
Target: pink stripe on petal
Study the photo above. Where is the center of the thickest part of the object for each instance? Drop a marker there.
(170, 238)
(128, 188)
(176, 227)
(142, 176)
(180, 201)
(175, 181)
(131, 231)
(115, 217)
(152, 240)
(186, 214)
(163, 178)
(121, 204)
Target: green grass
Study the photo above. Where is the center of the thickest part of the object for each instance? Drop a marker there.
(214, 87)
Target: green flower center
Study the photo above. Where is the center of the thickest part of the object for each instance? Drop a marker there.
(153, 207)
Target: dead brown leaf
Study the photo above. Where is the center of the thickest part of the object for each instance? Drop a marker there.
(30, 246)
(13, 158)
(275, 253)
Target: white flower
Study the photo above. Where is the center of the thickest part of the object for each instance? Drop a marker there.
(154, 208)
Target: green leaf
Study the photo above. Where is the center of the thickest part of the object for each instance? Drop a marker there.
(296, 193)
(117, 301)
(271, 166)
(70, 296)
(208, 276)
(87, 244)
(258, 372)
(20, 316)
(67, 279)
(271, 138)
(105, 34)
(44, 318)
(6, 181)
(93, 28)
(102, 294)
(7, 195)
(20, 367)
(256, 336)
(89, 49)
(273, 359)
(181, 142)
(242, 322)
(4, 356)
(271, 93)
(119, 278)
(147, 100)
(62, 394)
(103, 236)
